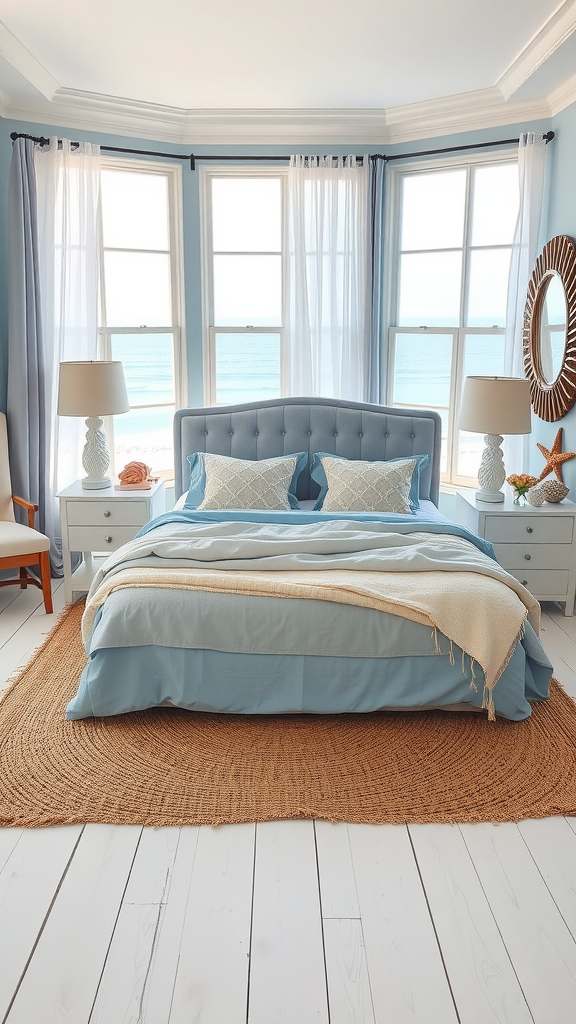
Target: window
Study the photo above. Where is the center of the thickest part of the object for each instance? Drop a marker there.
(453, 229)
(141, 321)
(243, 291)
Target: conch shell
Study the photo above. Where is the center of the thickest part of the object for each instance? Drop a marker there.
(134, 473)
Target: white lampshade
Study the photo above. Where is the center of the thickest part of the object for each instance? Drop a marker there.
(495, 405)
(92, 389)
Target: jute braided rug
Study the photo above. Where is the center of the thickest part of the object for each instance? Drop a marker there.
(172, 767)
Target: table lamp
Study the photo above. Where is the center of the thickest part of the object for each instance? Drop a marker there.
(494, 406)
(92, 390)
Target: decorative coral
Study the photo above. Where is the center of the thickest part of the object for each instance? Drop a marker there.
(134, 473)
(553, 490)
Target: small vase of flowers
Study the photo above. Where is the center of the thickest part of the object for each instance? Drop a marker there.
(520, 485)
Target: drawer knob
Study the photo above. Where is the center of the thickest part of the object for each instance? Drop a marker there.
(108, 540)
(528, 529)
(107, 514)
(527, 557)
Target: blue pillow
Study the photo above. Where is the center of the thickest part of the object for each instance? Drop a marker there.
(197, 486)
(319, 476)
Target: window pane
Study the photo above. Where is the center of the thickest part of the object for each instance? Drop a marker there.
(145, 435)
(148, 361)
(483, 357)
(422, 369)
(247, 291)
(138, 289)
(246, 214)
(488, 287)
(247, 367)
(433, 210)
(125, 196)
(430, 289)
(495, 204)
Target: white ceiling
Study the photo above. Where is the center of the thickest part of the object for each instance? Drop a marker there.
(286, 70)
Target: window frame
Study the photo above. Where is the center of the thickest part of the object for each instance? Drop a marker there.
(450, 478)
(173, 173)
(209, 330)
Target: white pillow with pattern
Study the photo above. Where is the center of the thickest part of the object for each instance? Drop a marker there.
(243, 484)
(358, 486)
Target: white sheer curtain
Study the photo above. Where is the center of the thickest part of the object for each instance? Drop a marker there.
(328, 291)
(68, 189)
(531, 174)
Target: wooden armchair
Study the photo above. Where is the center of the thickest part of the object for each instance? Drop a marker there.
(20, 546)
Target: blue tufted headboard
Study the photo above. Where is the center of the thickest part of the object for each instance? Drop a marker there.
(264, 430)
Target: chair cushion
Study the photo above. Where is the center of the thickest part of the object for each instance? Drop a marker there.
(21, 540)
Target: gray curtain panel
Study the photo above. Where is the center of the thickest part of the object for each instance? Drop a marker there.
(376, 384)
(26, 412)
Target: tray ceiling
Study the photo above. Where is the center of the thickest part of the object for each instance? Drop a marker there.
(374, 70)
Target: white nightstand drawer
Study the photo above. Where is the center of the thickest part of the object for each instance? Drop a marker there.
(99, 538)
(519, 529)
(531, 556)
(543, 583)
(111, 513)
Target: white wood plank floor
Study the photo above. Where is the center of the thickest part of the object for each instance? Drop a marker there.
(289, 922)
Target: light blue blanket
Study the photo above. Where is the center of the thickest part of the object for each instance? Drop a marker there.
(150, 646)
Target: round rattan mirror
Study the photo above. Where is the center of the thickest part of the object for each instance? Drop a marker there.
(550, 330)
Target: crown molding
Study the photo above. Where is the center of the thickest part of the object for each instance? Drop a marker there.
(563, 96)
(485, 108)
(16, 54)
(72, 108)
(464, 112)
(558, 27)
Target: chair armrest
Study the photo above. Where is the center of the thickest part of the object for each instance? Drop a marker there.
(32, 509)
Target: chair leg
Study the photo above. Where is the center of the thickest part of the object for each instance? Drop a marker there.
(45, 577)
(23, 578)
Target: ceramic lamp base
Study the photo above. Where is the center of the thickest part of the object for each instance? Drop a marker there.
(96, 485)
(491, 474)
(95, 457)
(493, 496)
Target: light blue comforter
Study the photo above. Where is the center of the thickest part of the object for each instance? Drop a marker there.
(150, 647)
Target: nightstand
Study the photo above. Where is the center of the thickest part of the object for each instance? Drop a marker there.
(101, 521)
(536, 545)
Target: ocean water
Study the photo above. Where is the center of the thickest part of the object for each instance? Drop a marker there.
(247, 368)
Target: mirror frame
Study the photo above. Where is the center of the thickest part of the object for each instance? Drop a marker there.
(551, 401)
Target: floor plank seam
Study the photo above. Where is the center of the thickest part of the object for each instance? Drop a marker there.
(436, 936)
(120, 903)
(140, 1017)
(552, 897)
(250, 930)
(42, 926)
(473, 862)
(321, 920)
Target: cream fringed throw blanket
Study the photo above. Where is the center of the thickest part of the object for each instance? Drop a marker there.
(483, 615)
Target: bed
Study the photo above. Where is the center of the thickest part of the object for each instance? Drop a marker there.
(309, 611)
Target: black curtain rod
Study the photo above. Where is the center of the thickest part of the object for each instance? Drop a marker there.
(193, 158)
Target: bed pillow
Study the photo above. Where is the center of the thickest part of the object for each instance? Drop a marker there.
(220, 482)
(319, 476)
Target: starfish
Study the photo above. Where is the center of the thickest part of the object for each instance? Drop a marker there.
(555, 457)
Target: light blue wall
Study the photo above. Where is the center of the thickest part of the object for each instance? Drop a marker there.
(561, 221)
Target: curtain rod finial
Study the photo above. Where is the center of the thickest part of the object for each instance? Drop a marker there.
(548, 136)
